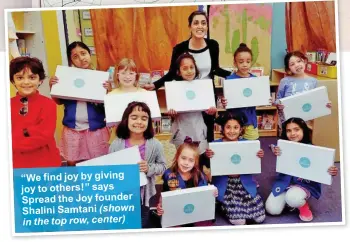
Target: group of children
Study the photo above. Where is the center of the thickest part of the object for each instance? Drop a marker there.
(85, 135)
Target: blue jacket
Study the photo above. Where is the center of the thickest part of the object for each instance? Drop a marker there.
(174, 181)
(249, 112)
(283, 181)
(96, 114)
(221, 182)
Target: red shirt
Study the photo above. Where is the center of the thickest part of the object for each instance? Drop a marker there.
(39, 149)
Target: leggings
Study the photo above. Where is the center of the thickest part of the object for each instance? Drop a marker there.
(295, 197)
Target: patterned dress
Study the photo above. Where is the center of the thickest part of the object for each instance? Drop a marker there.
(239, 204)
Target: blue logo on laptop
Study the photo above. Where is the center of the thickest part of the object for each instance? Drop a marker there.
(190, 95)
(247, 92)
(307, 107)
(305, 162)
(189, 208)
(79, 82)
(236, 159)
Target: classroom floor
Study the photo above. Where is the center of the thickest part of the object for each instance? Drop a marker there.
(326, 209)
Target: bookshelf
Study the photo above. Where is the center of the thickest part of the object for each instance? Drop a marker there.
(325, 130)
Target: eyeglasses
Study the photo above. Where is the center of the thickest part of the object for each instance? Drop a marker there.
(24, 110)
(189, 140)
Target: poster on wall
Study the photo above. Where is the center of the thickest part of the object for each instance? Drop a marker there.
(243, 23)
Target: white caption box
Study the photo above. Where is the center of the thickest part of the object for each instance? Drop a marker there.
(307, 105)
(127, 156)
(188, 205)
(236, 157)
(187, 96)
(115, 105)
(79, 84)
(305, 161)
(247, 92)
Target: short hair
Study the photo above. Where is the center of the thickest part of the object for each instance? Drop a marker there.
(123, 131)
(25, 62)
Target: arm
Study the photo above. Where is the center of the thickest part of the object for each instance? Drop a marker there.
(159, 165)
(280, 92)
(172, 70)
(40, 134)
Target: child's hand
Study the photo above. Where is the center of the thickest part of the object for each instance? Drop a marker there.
(277, 151)
(53, 81)
(160, 210)
(209, 153)
(211, 111)
(216, 192)
(260, 153)
(333, 170)
(143, 166)
(329, 104)
(270, 101)
(280, 106)
(107, 85)
(149, 87)
(224, 102)
(172, 113)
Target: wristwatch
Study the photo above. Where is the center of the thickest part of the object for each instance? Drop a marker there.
(25, 133)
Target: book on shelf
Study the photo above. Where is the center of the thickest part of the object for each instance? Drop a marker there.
(217, 128)
(218, 81)
(145, 78)
(156, 75)
(267, 122)
(219, 103)
(162, 126)
(23, 50)
(156, 126)
(165, 124)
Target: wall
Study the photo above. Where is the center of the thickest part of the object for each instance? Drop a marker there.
(88, 40)
(9, 5)
(278, 41)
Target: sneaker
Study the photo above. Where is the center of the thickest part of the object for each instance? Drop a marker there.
(305, 213)
(237, 221)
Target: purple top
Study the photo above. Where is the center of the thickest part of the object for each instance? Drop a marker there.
(142, 148)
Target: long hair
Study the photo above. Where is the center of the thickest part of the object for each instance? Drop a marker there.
(302, 124)
(195, 13)
(186, 55)
(196, 174)
(123, 131)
